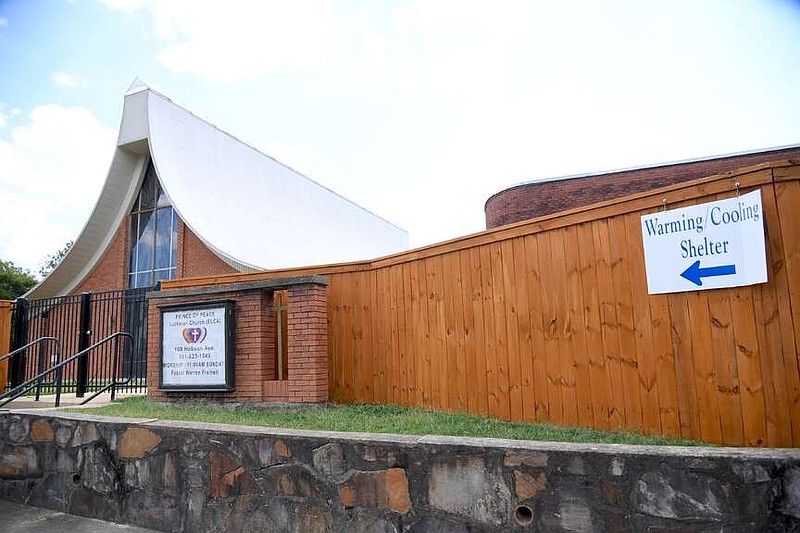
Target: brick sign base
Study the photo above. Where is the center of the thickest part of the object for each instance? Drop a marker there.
(256, 377)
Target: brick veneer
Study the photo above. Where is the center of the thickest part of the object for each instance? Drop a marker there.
(195, 258)
(254, 339)
(111, 272)
(536, 199)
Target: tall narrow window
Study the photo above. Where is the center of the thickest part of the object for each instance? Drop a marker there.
(154, 235)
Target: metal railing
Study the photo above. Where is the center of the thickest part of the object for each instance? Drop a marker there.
(41, 341)
(58, 369)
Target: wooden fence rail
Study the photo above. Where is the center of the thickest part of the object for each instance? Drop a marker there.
(5, 340)
(550, 320)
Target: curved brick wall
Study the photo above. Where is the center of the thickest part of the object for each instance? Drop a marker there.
(536, 199)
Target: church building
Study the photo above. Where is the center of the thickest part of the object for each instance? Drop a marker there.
(184, 199)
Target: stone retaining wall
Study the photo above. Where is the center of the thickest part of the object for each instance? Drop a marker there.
(181, 476)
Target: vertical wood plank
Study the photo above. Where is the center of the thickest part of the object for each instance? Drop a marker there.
(372, 365)
(723, 349)
(625, 321)
(511, 353)
(5, 340)
(705, 372)
(436, 340)
(786, 275)
(609, 327)
(381, 351)
(335, 336)
(396, 373)
(481, 376)
(417, 325)
(535, 291)
(456, 335)
(524, 335)
(566, 379)
(748, 356)
(643, 324)
(550, 324)
(684, 366)
(490, 335)
(350, 349)
(576, 328)
(591, 318)
(776, 404)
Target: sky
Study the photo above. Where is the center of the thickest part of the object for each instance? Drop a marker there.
(418, 110)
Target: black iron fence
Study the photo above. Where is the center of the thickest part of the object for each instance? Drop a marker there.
(78, 321)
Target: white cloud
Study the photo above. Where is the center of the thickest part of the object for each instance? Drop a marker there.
(66, 80)
(3, 22)
(242, 41)
(53, 169)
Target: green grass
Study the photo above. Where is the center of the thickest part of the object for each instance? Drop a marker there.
(374, 419)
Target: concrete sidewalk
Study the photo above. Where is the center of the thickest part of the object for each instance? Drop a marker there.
(16, 518)
(67, 400)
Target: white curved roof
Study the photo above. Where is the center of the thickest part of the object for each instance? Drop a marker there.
(249, 209)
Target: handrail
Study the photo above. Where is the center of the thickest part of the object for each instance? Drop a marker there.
(23, 348)
(21, 389)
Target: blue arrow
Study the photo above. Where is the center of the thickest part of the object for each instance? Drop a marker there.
(694, 273)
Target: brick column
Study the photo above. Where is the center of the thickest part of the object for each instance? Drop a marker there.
(308, 343)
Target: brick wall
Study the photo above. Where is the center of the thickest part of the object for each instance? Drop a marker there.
(255, 369)
(111, 272)
(194, 257)
(532, 200)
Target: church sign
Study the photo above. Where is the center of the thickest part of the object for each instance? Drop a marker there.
(706, 246)
(197, 352)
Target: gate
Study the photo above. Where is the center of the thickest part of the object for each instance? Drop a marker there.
(78, 321)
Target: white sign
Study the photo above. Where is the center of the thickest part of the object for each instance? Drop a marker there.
(706, 246)
(193, 347)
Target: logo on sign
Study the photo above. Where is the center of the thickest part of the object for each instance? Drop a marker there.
(194, 335)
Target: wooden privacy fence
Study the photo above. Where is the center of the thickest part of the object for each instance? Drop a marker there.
(550, 320)
(5, 340)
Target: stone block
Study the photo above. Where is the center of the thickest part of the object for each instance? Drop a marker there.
(19, 462)
(18, 430)
(465, 487)
(528, 486)
(137, 442)
(362, 521)
(383, 489)
(790, 502)
(564, 511)
(287, 517)
(85, 434)
(671, 493)
(329, 459)
(42, 431)
(153, 510)
(518, 458)
(228, 478)
(380, 454)
(617, 467)
(64, 433)
(86, 502)
(292, 480)
(97, 470)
